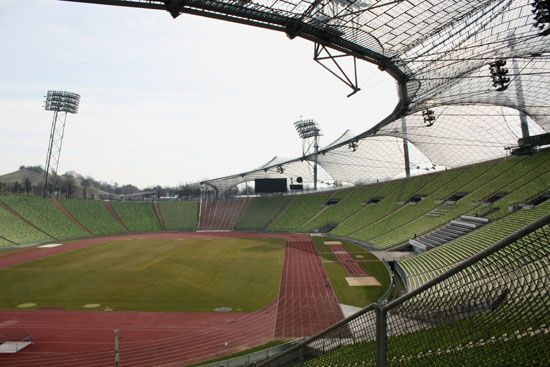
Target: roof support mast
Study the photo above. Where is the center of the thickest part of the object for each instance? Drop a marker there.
(310, 132)
(316, 156)
(406, 147)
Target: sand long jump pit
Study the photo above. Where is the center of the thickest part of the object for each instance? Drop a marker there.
(362, 281)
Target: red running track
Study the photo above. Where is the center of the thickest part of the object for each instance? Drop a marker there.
(73, 338)
(307, 304)
(344, 258)
(67, 338)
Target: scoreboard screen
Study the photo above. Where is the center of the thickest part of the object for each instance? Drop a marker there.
(270, 185)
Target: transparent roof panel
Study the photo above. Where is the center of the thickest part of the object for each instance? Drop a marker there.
(439, 52)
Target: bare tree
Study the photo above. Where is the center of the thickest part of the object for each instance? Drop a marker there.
(27, 185)
(85, 182)
(16, 188)
(70, 186)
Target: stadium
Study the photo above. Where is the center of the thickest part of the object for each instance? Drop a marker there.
(422, 241)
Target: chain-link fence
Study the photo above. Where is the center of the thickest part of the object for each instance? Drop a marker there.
(492, 309)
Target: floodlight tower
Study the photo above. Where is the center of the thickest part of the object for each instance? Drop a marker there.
(61, 103)
(310, 132)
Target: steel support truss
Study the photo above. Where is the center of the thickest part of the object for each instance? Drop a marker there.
(54, 150)
(323, 56)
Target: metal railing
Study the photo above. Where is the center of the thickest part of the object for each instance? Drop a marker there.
(492, 309)
(16, 341)
(401, 273)
(251, 359)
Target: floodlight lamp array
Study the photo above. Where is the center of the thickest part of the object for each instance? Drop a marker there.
(429, 117)
(62, 101)
(354, 5)
(307, 129)
(541, 13)
(499, 75)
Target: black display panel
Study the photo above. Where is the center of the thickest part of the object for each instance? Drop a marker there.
(270, 185)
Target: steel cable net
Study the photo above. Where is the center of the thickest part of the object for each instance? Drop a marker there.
(492, 313)
(383, 26)
(439, 52)
(526, 92)
(495, 311)
(435, 44)
(275, 168)
(462, 135)
(373, 159)
(451, 66)
(443, 50)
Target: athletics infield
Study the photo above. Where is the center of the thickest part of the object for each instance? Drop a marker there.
(305, 305)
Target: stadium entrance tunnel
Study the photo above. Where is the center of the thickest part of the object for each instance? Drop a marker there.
(374, 200)
(538, 199)
(328, 227)
(415, 199)
(456, 197)
(493, 198)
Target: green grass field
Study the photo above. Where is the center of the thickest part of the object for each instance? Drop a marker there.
(357, 296)
(151, 275)
(353, 296)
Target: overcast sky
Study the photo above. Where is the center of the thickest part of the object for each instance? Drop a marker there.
(166, 101)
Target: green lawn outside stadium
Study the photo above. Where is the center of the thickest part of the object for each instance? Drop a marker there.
(151, 275)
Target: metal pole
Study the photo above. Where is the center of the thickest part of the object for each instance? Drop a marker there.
(59, 146)
(116, 348)
(316, 147)
(49, 155)
(406, 147)
(200, 207)
(381, 334)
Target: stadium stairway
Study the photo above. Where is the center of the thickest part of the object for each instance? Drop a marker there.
(452, 230)
(441, 210)
(220, 215)
(69, 216)
(4, 240)
(281, 211)
(179, 215)
(158, 214)
(24, 220)
(115, 215)
(138, 217)
(259, 212)
(420, 269)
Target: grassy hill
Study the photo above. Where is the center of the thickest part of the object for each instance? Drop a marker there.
(35, 177)
(33, 174)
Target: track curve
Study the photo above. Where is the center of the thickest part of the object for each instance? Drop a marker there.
(85, 338)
